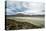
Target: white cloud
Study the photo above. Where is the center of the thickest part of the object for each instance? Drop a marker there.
(33, 8)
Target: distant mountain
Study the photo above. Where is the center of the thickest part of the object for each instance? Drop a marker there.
(20, 14)
(26, 15)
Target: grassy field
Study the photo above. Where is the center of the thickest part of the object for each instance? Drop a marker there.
(39, 21)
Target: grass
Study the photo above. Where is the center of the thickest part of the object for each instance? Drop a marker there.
(24, 22)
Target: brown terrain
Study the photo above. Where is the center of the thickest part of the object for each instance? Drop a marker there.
(16, 25)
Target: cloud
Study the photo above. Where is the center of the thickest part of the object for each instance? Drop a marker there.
(32, 8)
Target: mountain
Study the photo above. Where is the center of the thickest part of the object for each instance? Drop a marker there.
(25, 15)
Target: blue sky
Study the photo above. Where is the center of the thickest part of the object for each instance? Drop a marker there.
(30, 8)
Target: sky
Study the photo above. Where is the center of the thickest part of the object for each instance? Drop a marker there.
(30, 8)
